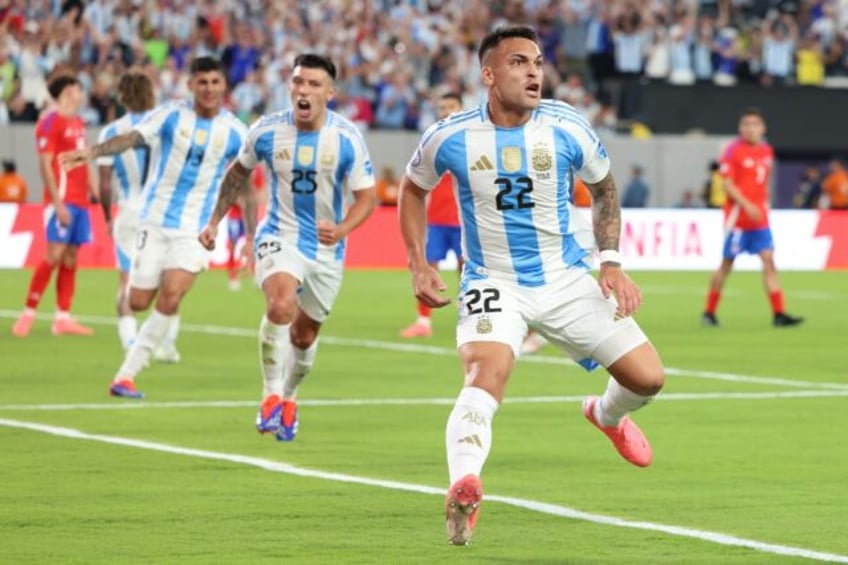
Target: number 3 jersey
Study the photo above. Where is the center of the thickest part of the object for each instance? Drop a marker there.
(312, 177)
(189, 155)
(513, 187)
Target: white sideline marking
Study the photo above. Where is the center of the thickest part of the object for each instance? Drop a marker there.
(535, 506)
(134, 405)
(451, 352)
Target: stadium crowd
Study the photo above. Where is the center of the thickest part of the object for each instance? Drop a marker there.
(396, 57)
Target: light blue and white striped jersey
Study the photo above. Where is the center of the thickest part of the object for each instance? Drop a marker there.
(188, 160)
(129, 169)
(313, 175)
(513, 187)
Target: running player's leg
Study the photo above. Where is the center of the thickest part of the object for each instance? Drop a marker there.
(124, 245)
(489, 333)
(590, 330)
(145, 278)
(279, 271)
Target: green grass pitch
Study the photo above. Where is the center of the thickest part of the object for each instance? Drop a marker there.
(749, 438)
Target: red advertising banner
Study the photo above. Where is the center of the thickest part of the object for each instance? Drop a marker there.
(651, 239)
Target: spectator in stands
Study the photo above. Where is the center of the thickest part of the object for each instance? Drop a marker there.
(835, 185)
(713, 194)
(687, 200)
(810, 61)
(13, 187)
(636, 191)
(809, 189)
(779, 37)
(387, 186)
(394, 103)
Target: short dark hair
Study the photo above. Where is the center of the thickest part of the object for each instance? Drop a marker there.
(752, 111)
(59, 83)
(9, 166)
(205, 64)
(315, 61)
(494, 38)
(451, 95)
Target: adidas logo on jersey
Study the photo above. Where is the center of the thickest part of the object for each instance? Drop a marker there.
(482, 164)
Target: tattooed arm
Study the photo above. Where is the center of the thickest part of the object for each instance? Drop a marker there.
(233, 186)
(606, 220)
(606, 213)
(113, 146)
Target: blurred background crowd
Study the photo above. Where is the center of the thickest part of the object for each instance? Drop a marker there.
(396, 56)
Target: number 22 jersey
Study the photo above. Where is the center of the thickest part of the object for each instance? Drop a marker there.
(513, 187)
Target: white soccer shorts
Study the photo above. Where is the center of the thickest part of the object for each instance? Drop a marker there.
(160, 249)
(570, 311)
(320, 280)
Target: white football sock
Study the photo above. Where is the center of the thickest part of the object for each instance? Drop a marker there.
(149, 336)
(468, 436)
(617, 402)
(170, 340)
(127, 330)
(298, 365)
(274, 343)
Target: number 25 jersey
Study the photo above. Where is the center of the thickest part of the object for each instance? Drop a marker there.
(312, 177)
(513, 187)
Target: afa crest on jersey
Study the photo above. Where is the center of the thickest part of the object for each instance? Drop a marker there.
(511, 159)
(542, 158)
(305, 154)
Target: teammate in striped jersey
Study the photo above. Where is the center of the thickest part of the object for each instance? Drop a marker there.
(524, 264)
(191, 144)
(317, 163)
(125, 175)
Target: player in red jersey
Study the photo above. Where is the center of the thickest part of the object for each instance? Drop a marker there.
(443, 231)
(235, 231)
(746, 167)
(66, 194)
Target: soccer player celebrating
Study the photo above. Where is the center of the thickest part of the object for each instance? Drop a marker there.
(317, 162)
(191, 144)
(512, 159)
(68, 225)
(443, 231)
(746, 167)
(125, 173)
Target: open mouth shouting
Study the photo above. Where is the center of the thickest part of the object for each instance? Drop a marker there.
(304, 108)
(533, 90)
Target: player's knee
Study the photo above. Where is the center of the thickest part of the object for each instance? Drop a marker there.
(303, 339)
(654, 383)
(280, 310)
(139, 303)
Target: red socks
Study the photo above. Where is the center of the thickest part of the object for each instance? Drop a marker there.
(776, 299)
(712, 301)
(39, 281)
(423, 311)
(65, 285)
